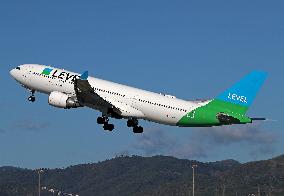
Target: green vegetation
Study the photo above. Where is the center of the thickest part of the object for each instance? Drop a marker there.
(158, 175)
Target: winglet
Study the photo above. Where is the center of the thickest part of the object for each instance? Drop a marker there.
(84, 75)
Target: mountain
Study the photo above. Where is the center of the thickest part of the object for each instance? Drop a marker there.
(157, 175)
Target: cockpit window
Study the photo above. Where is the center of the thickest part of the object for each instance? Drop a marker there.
(18, 68)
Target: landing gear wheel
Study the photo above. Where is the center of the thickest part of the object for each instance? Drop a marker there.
(101, 120)
(129, 123)
(132, 122)
(137, 129)
(31, 98)
(108, 127)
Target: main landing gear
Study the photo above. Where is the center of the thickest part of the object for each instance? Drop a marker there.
(134, 123)
(104, 121)
(32, 97)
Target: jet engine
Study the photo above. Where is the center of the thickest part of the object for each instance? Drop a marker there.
(61, 100)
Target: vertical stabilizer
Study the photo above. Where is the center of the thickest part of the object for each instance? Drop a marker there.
(243, 92)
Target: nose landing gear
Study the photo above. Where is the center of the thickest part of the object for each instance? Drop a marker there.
(32, 97)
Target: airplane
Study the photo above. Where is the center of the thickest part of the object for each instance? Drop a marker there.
(67, 90)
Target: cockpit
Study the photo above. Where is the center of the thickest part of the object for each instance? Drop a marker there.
(16, 72)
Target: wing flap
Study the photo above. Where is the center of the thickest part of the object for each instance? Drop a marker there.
(127, 110)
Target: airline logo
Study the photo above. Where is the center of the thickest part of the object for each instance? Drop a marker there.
(62, 75)
(47, 71)
(236, 97)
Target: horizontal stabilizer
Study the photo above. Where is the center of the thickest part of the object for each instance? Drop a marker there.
(258, 118)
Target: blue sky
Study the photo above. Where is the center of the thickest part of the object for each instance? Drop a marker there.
(191, 49)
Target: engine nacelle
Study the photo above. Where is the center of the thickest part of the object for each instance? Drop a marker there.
(61, 100)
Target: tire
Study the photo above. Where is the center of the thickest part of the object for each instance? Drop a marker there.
(129, 123)
(105, 126)
(100, 120)
(132, 123)
(137, 129)
(140, 129)
(31, 98)
(110, 127)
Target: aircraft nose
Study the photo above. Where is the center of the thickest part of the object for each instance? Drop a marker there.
(12, 73)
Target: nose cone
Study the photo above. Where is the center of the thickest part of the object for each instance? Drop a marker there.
(12, 73)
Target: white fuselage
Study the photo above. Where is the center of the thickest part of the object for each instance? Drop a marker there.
(136, 103)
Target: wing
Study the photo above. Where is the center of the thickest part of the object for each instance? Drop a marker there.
(87, 96)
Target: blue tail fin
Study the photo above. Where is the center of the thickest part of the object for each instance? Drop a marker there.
(243, 92)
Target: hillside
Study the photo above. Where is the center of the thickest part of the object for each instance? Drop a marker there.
(158, 175)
